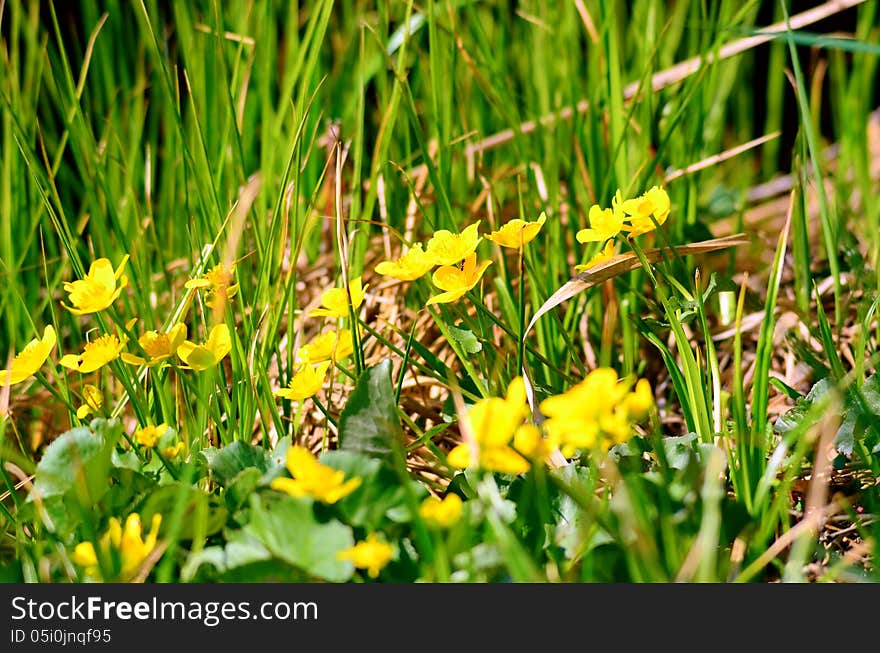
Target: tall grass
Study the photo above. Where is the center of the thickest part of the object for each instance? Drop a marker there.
(304, 142)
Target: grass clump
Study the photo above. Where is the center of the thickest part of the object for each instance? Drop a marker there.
(442, 292)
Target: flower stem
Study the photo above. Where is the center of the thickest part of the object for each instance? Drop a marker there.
(520, 345)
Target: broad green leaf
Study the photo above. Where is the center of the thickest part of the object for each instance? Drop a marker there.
(241, 549)
(369, 423)
(860, 414)
(379, 494)
(241, 487)
(78, 462)
(225, 463)
(287, 527)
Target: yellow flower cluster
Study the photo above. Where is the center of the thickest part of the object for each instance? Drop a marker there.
(598, 413)
(494, 424)
(633, 216)
(316, 357)
(161, 437)
(456, 255)
(97, 291)
(127, 545)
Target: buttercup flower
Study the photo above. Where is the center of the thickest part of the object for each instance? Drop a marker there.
(529, 441)
(604, 223)
(173, 451)
(605, 254)
(494, 421)
(305, 383)
(158, 346)
(312, 479)
(93, 401)
(330, 345)
(30, 359)
(335, 300)
(201, 357)
(98, 290)
(128, 545)
(371, 554)
(441, 513)
(96, 354)
(412, 265)
(456, 282)
(640, 401)
(219, 281)
(447, 248)
(517, 233)
(149, 436)
(654, 202)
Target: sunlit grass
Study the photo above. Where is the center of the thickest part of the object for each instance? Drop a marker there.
(278, 278)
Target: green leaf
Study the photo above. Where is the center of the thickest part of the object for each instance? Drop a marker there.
(369, 423)
(227, 462)
(241, 549)
(126, 460)
(241, 487)
(793, 417)
(78, 462)
(861, 414)
(466, 339)
(277, 461)
(287, 527)
(203, 514)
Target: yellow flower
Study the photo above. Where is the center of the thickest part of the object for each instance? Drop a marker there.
(330, 345)
(605, 254)
(517, 233)
(93, 401)
(654, 202)
(456, 282)
(604, 223)
(149, 436)
(158, 346)
(173, 451)
(371, 554)
(494, 420)
(30, 359)
(127, 544)
(639, 402)
(312, 479)
(219, 280)
(335, 300)
(441, 513)
(96, 354)
(412, 265)
(306, 382)
(447, 248)
(201, 357)
(529, 441)
(493, 423)
(98, 290)
(504, 460)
